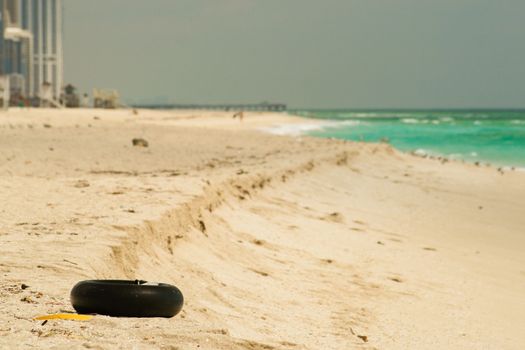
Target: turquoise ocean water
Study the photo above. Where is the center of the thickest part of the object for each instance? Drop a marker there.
(495, 136)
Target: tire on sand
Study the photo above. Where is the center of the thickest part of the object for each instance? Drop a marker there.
(126, 298)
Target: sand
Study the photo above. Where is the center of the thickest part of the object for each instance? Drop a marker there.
(277, 242)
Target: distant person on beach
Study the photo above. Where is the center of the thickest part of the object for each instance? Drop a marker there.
(240, 115)
(85, 101)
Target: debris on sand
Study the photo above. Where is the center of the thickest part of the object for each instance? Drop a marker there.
(334, 217)
(82, 184)
(396, 279)
(28, 300)
(364, 338)
(140, 143)
(258, 242)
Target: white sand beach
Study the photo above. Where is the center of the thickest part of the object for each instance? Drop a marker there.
(276, 242)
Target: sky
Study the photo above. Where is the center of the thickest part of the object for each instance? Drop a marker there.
(306, 53)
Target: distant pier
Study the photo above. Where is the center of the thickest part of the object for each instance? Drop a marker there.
(268, 107)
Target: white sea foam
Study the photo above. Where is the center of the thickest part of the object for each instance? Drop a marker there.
(336, 124)
(421, 152)
(418, 121)
(358, 115)
(427, 153)
(292, 129)
(517, 122)
(300, 129)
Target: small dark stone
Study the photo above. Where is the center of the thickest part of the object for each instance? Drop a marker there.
(396, 279)
(28, 300)
(364, 338)
(140, 143)
(202, 226)
(24, 286)
(258, 242)
(82, 184)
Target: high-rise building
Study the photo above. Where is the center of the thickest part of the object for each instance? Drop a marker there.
(43, 18)
(15, 49)
(31, 47)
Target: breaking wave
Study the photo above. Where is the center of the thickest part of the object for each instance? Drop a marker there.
(301, 129)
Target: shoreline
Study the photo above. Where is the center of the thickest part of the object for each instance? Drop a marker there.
(276, 242)
(325, 124)
(319, 124)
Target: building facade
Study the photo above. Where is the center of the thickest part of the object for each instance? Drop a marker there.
(31, 50)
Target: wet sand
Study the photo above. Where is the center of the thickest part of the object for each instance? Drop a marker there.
(276, 242)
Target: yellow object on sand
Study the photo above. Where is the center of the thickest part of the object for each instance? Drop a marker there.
(73, 317)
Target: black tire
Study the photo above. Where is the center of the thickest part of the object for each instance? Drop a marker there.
(126, 298)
